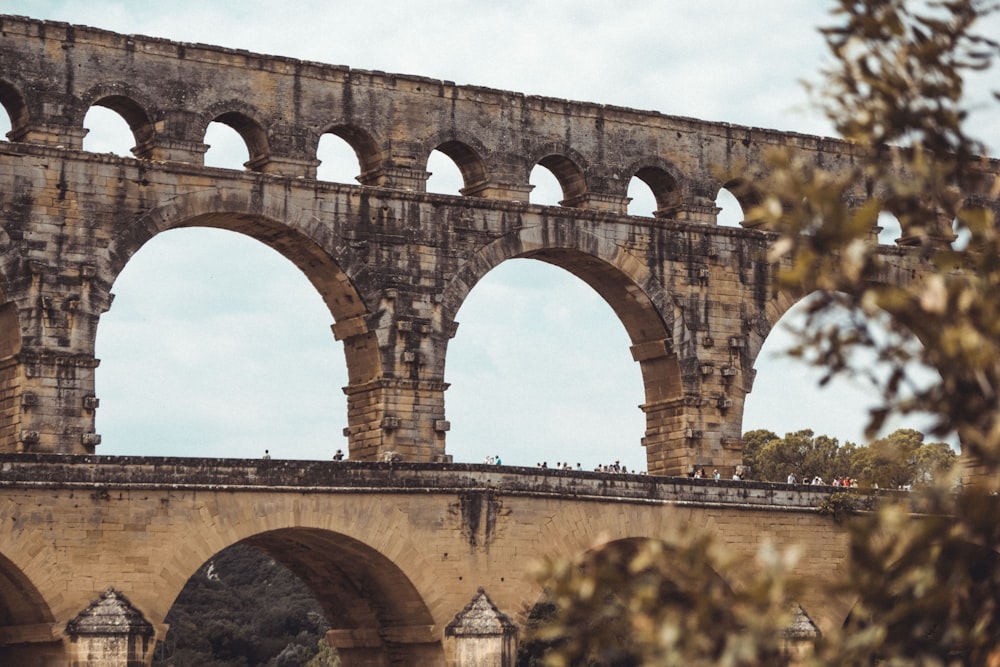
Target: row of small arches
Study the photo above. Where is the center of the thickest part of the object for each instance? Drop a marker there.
(339, 164)
(109, 132)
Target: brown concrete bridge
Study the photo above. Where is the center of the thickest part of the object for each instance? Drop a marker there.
(394, 552)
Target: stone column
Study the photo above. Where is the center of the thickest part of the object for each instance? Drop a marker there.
(694, 404)
(499, 189)
(698, 209)
(396, 178)
(396, 419)
(61, 136)
(597, 201)
(400, 169)
(484, 636)
(47, 379)
(696, 205)
(110, 632)
(395, 411)
(177, 137)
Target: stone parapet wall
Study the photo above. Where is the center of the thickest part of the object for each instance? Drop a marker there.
(132, 473)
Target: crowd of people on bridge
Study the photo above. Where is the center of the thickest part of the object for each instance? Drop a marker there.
(818, 481)
(616, 467)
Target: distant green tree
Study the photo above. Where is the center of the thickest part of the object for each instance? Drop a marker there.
(754, 443)
(801, 453)
(325, 657)
(243, 609)
(902, 459)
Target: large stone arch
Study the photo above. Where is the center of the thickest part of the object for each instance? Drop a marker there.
(27, 633)
(296, 234)
(582, 253)
(624, 281)
(374, 586)
(574, 532)
(619, 554)
(371, 604)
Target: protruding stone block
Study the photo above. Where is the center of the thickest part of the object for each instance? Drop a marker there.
(109, 632)
(485, 637)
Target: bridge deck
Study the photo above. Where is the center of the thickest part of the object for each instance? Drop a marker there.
(132, 472)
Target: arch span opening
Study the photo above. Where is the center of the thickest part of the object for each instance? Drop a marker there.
(445, 176)
(642, 201)
(731, 213)
(338, 160)
(243, 607)
(295, 592)
(551, 359)
(5, 125)
(107, 132)
(889, 229)
(13, 111)
(226, 148)
(218, 346)
(25, 621)
(840, 407)
(546, 190)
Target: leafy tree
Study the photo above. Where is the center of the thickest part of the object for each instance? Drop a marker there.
(242, 609)
(325, 657)
(759, 465)
(902, 458)
(933, 462)
(643, 602)
(926, 586)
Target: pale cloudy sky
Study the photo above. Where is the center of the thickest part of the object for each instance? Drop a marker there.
(217, 346)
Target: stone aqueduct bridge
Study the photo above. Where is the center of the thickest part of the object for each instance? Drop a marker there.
(395, 552)
(393, 263)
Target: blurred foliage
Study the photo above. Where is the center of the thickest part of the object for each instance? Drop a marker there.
(923, 575)
(900, 459)
(898, 79)
(243, 609)
(645, 603)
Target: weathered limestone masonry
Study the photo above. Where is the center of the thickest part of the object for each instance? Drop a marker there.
(94, 551)
(393, 263)
(397, 554)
